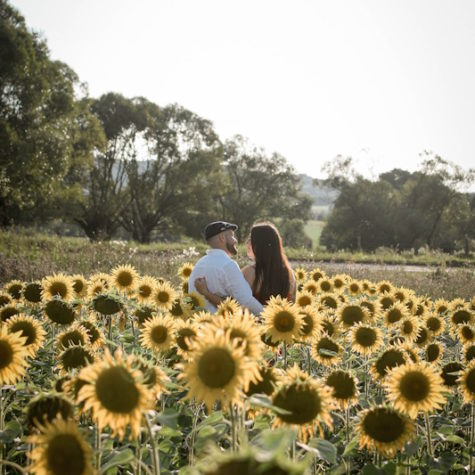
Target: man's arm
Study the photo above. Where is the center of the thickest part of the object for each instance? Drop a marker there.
(238, 288)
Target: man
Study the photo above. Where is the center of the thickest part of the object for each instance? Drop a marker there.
(222, 274)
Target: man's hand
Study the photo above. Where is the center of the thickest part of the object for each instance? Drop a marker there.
(201, 286)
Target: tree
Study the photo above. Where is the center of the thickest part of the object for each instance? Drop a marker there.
(39, 126)
(179, 177)
(258, 187)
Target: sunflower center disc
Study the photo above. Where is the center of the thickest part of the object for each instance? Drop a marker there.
(383, 426)
(304, 301)
(433, 324)
(27, 330)
(58, 288)
(422, 338)
(6, 354)
(307, 326)
(32, 292)
(116, 390)
(432, 352)
(159, 334)
(394, 315)
(470, 381)
(303, 403)
(329, 302)
(75, 357)
(343, 385)
(8, 312)
(183, 334)
(414, 386)
(216, 367)
(325, 286)
(125, 279)
(59, 312)
(389, 360)
(72, 338)
(450, 373)
(407, 328)
(145, 291)
(163, 297)
(352, 314)
(326, 344)
(284, 321)
(365, 337)
(461, 316)
(78, 286)
(65, 455)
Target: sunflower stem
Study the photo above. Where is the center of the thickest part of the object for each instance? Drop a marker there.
(472, 435)
(109, 332)
(429, 441)
(98, 448)
(309, 361)
(155, 453)
(285, 354)
(233, 428)
(193, 435)
(1, 428)
(347, 423)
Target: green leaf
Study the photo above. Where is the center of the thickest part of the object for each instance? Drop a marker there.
(12, 430)
(322, 449)
(260, 400)
(121, 458)
(352, 447)
(207, 431)
(325, 352)
(168, 418)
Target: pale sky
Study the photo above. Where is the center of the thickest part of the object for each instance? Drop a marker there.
(378, 80)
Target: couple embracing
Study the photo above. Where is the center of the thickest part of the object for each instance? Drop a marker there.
(217, 276)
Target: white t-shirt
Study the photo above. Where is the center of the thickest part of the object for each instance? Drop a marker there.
(224, 278)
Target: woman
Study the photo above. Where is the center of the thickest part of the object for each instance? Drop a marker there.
(270, 275)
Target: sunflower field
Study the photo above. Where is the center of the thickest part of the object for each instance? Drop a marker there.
(127, 373)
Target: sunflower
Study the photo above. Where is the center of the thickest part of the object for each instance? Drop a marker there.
(59, 311)
(228, 308)
(469, 353)
(60, 448)
(57, 285)
(326, 351)
(420, 309)
(330, 325)
(145, 289)
(373, 307)
(5, 299)
(325, 284)
(461, 316)
(435, 324)
(339, 281)
(196, 301)
(354, 287)
(46, 407)
(409, 328)
(352, 313)
(330, 301)
(103, 278)
(164, 295)
(441, 307)
(75, 357)
(13, 354)
(386, 301)
(308, 402)
(181, 309)
(95, 287)
(311, 287)
(410, 303)
(450, 372)
(386, 361)
(106, 304)
(466, 333)
(74, 335)
(316, 274)
(185, 270)
(410, 351)
(433, 353)
(203, 317)
(32, 292)
(401, 294)
(157, 333)
(311, 325)
(300, 275)
(217, 369)
(143, 313)
(423, 338)
(154, 378)
(124, 278)
(415, 387)
(467, 383)
(94, 333)
(366, 285)
(8, 311)
(15, 289)
(186, 332)
(384, 286)
(304, 299)
(79, 285)
(265, 384)
(365, 339)
(30, 329)
(394, 314)
(457, 304)
(344, 388)
(115, 394)
(282, 320)
(385, 430)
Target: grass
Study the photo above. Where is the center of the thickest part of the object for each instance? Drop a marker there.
(28, 256)
(313, 229)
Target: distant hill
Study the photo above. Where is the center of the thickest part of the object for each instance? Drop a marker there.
(323, 196)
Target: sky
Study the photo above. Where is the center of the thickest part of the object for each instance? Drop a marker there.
(378, 80)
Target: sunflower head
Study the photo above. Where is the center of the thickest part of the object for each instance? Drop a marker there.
(30, 329)
(373, 307)
(228, 308)
(59, 311)
(57, 285)
(145, 289)
(466, 333)
(185, 270)
(8, 311)
(79, 285)
(300, 275)
(394, 314)
(196, 301)
(75, 358)
(75, 335)
(423, 338)
(450, 373)
(311, 287)
(164, 295)
(433, 352)
(282, 320)
(94, 334)
(461, 316)
(304, 299)
(32, 292)
(409, 328)
(158, 333)
(316, 274)
(344, 388)
(59, 449)
(181, 309)
(385, 430)
(46, 408)
(266, 383)
(435, 324)
(467, 383)
(339, 281)
(13, 355)
(400, 294)
(351, 314)
(106, 304)
(388, 360)
(311, 324)
(15, 289)
(5, 299)
(469, 352)
(365, 339)
(186, 332)
(326, 351)
(124, 278)
(354, 287)
(325, 284)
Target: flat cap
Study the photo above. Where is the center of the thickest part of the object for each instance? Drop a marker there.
(217, 227)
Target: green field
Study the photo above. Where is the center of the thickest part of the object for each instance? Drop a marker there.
(313, 229)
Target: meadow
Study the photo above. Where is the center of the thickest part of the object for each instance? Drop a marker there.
(108, 365)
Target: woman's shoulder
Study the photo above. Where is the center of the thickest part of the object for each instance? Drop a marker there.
(249, 270)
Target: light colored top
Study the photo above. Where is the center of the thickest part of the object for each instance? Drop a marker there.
(223, 278)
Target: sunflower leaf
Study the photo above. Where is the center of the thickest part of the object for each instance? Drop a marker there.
(322, 449)
(261, 400)
(121, 458)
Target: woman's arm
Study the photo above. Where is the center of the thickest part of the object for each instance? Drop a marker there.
(249, 273)
(293, 287)
(202, 288)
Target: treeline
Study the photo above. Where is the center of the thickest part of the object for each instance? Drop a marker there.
(117, 164)
(402, 210)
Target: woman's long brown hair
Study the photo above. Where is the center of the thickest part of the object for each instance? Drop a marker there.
(273, 271)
